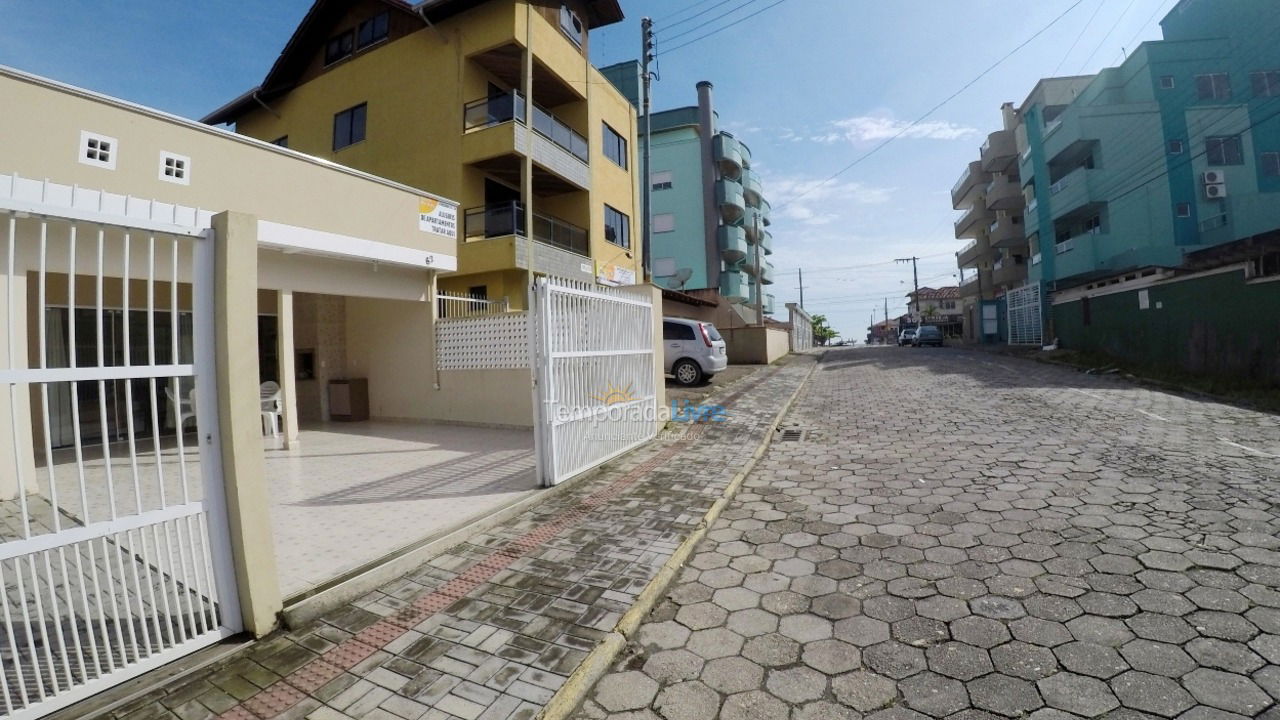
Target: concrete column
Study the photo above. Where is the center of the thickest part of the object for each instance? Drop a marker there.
(288, 374)
(710, 211)
(240, 421)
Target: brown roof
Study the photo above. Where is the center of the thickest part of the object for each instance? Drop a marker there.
(951, 292)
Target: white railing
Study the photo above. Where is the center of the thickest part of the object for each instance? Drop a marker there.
(972, 244)
(1035, 259)
(1024, 314)
(457, 305)
(594, 374)
(1065, 246)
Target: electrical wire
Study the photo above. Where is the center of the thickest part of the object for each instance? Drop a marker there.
(692, 17)
(1106, 37)
(1088, 24)
(722, 29)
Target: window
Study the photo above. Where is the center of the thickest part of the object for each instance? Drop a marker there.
(1266, 83)
(664, 223)
(1214, 86)
(1183, 210)
(617, 227)
(1093, 225)
(677, 331)
(1224, 150)
(572, 25)
(664, 267)
(175, 168)
(282, 141)
(1176, 147)
(1270, 163)
(662, 180)
(371, 31)
(615, 147)
(348, 126)
(1086, 311)
(98, 150)
(1166, 82)
(339, 47)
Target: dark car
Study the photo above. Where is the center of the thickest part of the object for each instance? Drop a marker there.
(927, 335)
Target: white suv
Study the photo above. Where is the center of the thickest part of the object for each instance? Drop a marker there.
(694, 351)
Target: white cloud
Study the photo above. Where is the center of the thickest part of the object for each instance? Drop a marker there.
(816, 203)
(873, 128)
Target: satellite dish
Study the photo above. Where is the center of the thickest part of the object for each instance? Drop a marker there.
(680, 278)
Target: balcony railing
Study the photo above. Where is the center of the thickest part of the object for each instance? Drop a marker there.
(1065, 246)
(503, 219)
(1035, 259)
(509, 107)
(968, 247)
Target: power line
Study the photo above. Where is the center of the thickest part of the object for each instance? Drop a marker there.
(937, 107)
(1114, 25)
(704, 12)
(722, 15)
(686, 9)
(1083, 30)
(726, 27)
(1159, 6)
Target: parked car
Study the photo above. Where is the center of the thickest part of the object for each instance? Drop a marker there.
(693, 351)
(927, 335)
(907, 337)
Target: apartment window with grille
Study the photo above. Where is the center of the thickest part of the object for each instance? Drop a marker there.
(615, 146)
(1214, 86)
(373, 30)
(1167, 83)
(175, 168)
(1183, 210)
(617, 227)
(1224, 150)
(664, 223)
(1266, 83)
(1093, 225)
(349, 126)
(663, 180)
(339, 47)
(1270, 162)
(1176, 147)
(98, 150)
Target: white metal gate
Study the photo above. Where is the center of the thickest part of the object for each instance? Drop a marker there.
(114, 550)
(1025, 315)
(594, 377)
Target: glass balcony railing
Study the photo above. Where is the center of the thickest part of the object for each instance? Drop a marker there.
(504, 219)
(509, 107)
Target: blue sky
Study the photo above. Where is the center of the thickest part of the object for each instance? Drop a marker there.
(809, 84)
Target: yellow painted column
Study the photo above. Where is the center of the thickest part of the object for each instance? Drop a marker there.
(240, 421)
(288, 374)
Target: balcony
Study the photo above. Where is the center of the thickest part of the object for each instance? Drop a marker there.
(1072, 192)
(727, 151)
(999, 151)
(1007, 232)
(765, 210)
(1005, 193)
(733, 243)
(972, 252)
(494, 134)
(973, 221)
(766, 272)
(980, 280)
(1075, 256)
(1009, 273)
(733, 207)
(508, 220)
(734, 286)
(974, 178)
(746, 154)
(752, 189)
(769, 304)
(766, 243)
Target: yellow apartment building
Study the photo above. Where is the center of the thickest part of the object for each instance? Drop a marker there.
(492, 102)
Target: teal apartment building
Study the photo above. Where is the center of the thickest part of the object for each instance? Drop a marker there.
(1152, 199)
(710, 235)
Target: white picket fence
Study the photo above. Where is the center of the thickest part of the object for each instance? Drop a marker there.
(595, 381)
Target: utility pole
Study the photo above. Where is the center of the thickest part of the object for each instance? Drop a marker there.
(886, 321)
(759, 282)
(802, 291)
(647, 45)
(915, 272)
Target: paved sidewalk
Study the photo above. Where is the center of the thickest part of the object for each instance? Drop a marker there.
(491, 629)
(959, 535)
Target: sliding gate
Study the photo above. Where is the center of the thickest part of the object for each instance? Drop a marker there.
(1025, 323)
(594, 374)
(113, 539)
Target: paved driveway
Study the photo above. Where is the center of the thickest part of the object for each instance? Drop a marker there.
(960, 535)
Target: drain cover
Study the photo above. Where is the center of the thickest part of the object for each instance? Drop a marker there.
(792, 435)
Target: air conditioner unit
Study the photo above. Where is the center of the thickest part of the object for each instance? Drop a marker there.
(1214, 177)
(1216, 191)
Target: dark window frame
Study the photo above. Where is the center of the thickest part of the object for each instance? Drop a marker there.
(1182, 210)
(1229, 150)
(1219, 87)
(621, 232)
(339, 47)
(1177, 147)
(373, 30)
(348, 132)
(572, 26)
(616, 146)
(1270, 83)
(1167, 82)
(1269, 164)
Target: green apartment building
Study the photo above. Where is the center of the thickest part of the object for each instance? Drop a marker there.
(1152, 199)
(710, 235)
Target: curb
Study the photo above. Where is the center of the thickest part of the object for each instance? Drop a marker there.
(597, 663)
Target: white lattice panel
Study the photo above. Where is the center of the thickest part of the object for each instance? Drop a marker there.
(495, 342)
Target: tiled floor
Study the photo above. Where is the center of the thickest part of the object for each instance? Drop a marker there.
(335, 495)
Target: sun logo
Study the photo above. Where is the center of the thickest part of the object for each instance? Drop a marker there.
(616, 396)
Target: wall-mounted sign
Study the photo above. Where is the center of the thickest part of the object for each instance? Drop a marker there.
(615, 275)
(438, 217)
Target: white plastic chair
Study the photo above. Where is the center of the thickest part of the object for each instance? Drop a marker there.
(186, 406)
(269, 394)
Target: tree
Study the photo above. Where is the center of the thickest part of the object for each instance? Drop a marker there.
(822, 332)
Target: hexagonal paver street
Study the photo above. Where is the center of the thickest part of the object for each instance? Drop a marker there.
(966, 535)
